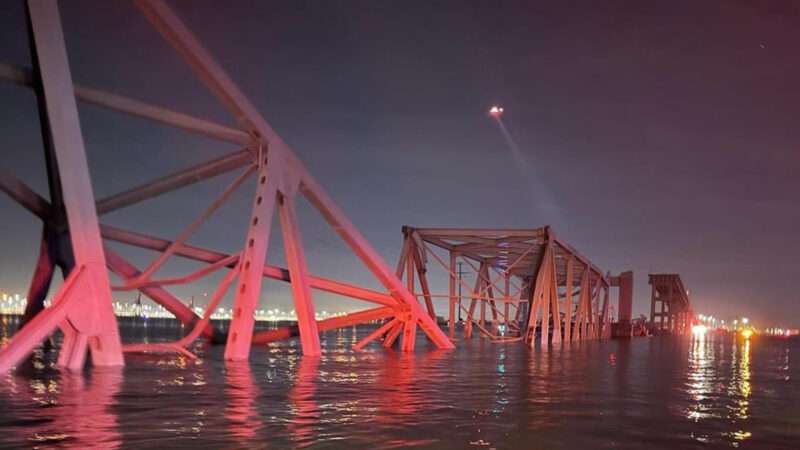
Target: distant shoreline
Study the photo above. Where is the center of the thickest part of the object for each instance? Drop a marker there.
(165, 320)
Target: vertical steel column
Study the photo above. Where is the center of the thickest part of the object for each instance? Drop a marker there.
(604, 325)
(409, 332)
(475, 294)
(490, 306)
(90, 320)
(296, 260)
(401, 261)
(405, 327)
(542, 296)
(419, 263)
(670, 303)
(482, 318)
(625, 303)
(254, 255)
(55, 244)
(523, 309)
(590, 308)
(652, 304)
(506, 298)
(568, 299)
(555, 310)
(624, 283)
(597, 309)
(452, 295)
(546, 289)
(583, 301)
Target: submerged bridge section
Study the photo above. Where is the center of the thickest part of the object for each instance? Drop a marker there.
(623, 327)
(670, 308)
(74, 238)
(519, 284)
(525, 285)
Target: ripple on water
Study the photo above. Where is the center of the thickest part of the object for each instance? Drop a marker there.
(645, 393)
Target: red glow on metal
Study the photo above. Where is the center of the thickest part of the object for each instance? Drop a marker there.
(82, 307)
(518, 275)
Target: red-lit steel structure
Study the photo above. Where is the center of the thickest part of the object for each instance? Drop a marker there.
(674, 312)
(531, 281)
(73, 235)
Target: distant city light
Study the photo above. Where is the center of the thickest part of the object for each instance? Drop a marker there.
(699, 330)
(782, 332)
(15, 305)
(746, 333)
(745, 320)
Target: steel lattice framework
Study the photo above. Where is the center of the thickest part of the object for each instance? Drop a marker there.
(73, 235)
(545, 287)
(675, 314)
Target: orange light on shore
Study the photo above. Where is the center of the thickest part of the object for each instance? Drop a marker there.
(746, 333)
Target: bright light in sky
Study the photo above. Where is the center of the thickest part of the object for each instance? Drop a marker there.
(496, 111)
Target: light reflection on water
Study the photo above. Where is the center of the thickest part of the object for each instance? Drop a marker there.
(711, 392)
(713, 398)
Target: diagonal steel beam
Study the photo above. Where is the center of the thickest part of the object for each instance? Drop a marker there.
(348, 320)
(39, 206)
(126, 271)
(24, 195)
(192, 227)
(24, 77)
(274, 272)
(177, 180)
(222, 86)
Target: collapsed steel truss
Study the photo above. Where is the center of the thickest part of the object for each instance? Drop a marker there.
(543, 286)
(73, 236)
(674, 314)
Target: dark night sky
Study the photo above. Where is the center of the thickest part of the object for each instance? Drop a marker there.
(658, 136)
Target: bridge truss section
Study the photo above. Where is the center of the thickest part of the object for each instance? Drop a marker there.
(670, 307)
(519, 284)
(75, 240)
